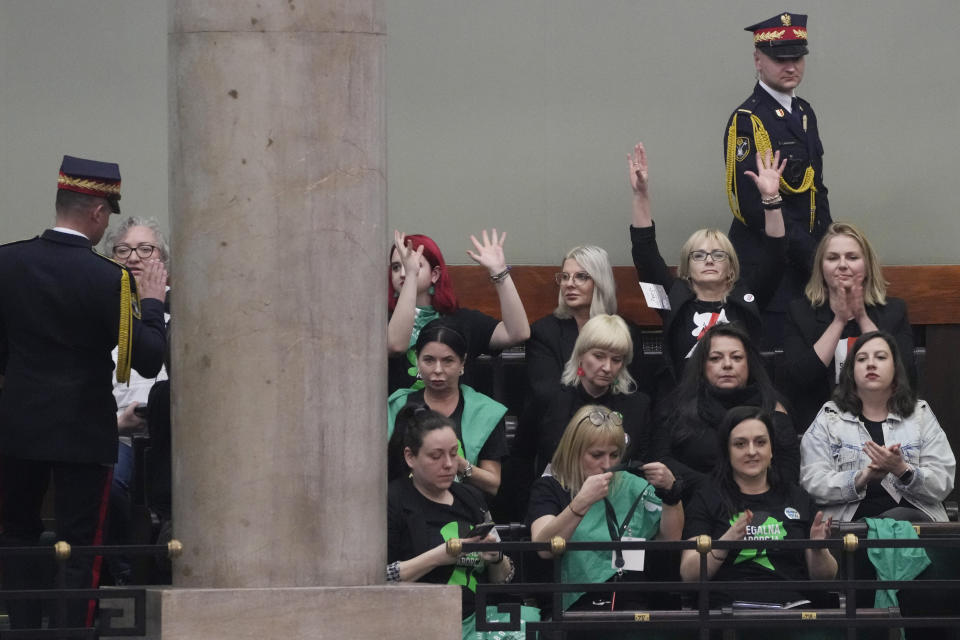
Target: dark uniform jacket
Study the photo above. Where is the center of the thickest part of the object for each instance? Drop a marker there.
(59, 322)
(802, 148)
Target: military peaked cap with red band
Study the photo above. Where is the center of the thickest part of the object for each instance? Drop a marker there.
(782, 36)
(92, 177)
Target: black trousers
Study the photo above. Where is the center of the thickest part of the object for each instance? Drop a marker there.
(80, 509)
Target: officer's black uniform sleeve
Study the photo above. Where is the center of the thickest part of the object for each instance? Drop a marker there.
(149, 338)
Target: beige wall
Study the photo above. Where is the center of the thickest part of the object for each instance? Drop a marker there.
(519, 114)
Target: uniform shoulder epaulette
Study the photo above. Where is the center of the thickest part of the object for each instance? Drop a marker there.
(10, 244)
(742, 110)
(107, 258)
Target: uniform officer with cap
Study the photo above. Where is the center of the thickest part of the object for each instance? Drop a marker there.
(773, 117)
(63, 308)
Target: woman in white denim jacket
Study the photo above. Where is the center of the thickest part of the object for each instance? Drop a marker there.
(854, 474)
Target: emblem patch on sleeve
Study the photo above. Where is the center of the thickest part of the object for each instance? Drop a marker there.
(743, 148)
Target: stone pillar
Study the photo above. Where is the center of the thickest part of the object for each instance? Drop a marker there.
(278, 207)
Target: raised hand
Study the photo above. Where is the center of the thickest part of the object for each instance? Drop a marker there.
(820, 529)
(769, 170)
(637, 169)
(409, 258)
(489, 252)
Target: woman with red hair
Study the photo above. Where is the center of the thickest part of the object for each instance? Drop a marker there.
(421, 290)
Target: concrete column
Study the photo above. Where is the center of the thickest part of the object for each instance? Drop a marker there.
(278, 206)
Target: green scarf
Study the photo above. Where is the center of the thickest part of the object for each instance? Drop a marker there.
(481, 414)
(596, 566)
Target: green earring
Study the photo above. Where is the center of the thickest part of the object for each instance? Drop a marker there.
(430, 290)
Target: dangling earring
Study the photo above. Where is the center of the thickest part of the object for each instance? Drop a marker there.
(430, 290)
(580, 371)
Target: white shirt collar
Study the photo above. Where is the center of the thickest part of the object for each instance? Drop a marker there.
(70, 231)
(783, 98)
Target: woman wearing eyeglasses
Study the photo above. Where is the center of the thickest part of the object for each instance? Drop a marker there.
(708, 289)
(136, 244)
(583, 501)
(586, 289)
(420, 290)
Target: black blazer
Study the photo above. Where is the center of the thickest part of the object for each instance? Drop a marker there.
(808, 383)
(59, 322)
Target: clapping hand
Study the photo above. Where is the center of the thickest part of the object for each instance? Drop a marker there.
(739, 528)
(820, 529)
(886, 459)
(846, 302)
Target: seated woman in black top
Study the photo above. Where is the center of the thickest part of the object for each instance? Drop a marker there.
(724, 371)
(426, 508)
(585, 289)
(477, 419)
(421, 290)
(748, 500)
(597, 373)
(709, 289)
(846, 297)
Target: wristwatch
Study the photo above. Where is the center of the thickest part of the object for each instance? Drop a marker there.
(467, 472)
(906, 477)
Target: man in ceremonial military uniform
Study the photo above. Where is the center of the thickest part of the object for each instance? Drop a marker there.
(63, 308)
(773, 117)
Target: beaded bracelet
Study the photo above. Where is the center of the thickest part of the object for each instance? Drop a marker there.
(500, 277)
(393, 572)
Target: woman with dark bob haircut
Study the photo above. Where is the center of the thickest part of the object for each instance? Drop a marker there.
(875, 450)
(477, 420)
(750, 500)
(725, 371)
(426, 507)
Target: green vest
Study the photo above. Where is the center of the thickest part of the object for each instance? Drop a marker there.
(481, 414)
(596, 566)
